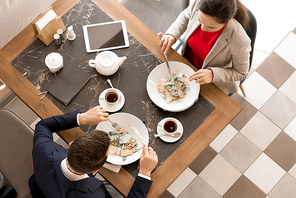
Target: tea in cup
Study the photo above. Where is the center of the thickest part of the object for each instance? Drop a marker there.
(170, 126)
(111, 96)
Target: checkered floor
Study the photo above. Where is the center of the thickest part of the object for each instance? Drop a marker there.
(255, 155)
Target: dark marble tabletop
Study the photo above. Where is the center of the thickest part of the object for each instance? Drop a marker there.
(130, 79)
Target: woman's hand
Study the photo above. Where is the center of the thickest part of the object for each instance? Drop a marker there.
(93, 116)
(166, 41)
(202, 76)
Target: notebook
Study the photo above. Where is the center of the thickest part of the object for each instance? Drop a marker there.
(68, 83)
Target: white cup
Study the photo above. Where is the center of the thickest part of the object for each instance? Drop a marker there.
(169, 126)
(54, 62)
(111, 96)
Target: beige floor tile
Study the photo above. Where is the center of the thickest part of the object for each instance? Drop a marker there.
(264, 173)
(220, 174)
(289, 87)
(223, 138)
(285, 188)
(240, 152)
(199, 188)
(279, 109)
(181, 182)
(260, 131)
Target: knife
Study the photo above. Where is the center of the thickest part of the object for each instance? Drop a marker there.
(138, 134)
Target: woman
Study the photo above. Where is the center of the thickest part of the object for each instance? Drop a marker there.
(214, 40)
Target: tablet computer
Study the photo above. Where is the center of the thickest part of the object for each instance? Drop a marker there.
(105, 36)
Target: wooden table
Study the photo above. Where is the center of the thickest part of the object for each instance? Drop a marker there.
(226, 108)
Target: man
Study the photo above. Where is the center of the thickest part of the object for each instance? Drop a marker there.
(59, 172)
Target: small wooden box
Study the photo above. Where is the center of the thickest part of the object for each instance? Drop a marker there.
(46, 35)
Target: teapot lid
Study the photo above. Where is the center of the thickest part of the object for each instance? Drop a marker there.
(106, 59)
(53, 60)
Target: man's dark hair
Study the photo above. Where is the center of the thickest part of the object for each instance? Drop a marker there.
(87, 153)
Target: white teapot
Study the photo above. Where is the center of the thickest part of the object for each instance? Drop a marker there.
(106, 63)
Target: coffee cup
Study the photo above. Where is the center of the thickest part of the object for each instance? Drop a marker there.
(169, 126)
(111, 96)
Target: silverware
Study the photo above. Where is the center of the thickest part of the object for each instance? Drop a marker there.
(115, 125)
(174, 135)
(138, 134)
(167, 64)
(109, 81)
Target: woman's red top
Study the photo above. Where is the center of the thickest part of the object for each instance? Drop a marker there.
(200, 44)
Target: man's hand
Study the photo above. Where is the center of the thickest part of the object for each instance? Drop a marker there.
(93, 116)
(148, 160)
(166, 41)
(202, 76)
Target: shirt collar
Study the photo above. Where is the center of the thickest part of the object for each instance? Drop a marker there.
(71, 176)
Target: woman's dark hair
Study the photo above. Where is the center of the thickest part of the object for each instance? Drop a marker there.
(87, 153)
(223, 10)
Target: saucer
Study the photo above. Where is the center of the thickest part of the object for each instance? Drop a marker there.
(111, 107)
(168, 138)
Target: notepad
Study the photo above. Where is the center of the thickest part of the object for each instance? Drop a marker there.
(68, 83)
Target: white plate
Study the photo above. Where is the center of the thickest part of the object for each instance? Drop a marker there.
(168, 138)
(126, 120)
(111, 107)
(160, 71)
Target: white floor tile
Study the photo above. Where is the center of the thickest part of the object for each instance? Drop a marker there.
(223, 138)
(220, 174)
(291, 129)
(265, 173)
(258, 90)
(258, 57)
(287, 49)
(260, 131)
(181, 182)
(289, 87)
(292, 171)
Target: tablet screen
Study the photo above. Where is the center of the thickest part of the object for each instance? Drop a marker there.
(105, 36)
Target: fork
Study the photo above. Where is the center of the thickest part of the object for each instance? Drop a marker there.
(115, 125)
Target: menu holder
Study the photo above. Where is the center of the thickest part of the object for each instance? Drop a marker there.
(46, 35)
(68, 83)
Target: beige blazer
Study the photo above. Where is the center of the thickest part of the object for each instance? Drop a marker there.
(229, 57)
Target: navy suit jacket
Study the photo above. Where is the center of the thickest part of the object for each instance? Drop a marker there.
(48, 179)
